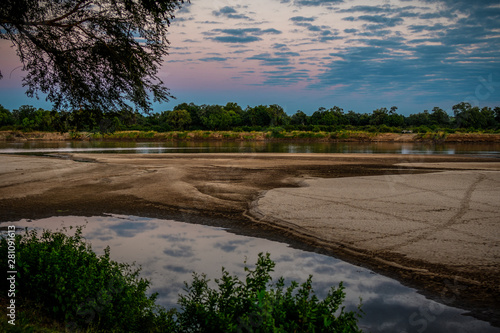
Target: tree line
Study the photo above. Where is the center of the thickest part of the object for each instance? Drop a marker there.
(258, 118)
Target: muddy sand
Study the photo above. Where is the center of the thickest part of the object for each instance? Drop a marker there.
(432, 222)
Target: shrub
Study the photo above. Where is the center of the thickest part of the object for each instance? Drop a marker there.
(65, 277)
(256, 305)
(277, 132)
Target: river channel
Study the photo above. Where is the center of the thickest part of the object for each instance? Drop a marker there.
(37, 147)
(169, 251)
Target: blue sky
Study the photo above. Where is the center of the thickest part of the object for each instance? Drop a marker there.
(305, 54)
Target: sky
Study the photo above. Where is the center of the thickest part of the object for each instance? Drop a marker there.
(306, 54)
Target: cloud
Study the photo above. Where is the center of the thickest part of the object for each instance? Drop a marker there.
(177, 269)
(230, 246)
(229, 12)
(287, 54)
(280, 46)
(213, 59)
(267, 59)
(324, 39)
(245, 35)
(316, 2)
(429, 28)
(131, 228)
(385, 66)
(179, 251)
(302, 19)
(225, 11)
(363, 9)
(323, 33)
(238, 32)
(445, 54)
(236, 39)
(285, 76)
(382, 20)
(313, 28)
(271, 31)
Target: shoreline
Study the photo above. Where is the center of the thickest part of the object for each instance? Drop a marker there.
(224, 188)
(295, 136)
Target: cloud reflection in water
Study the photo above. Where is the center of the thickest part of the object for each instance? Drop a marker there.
(169, 251)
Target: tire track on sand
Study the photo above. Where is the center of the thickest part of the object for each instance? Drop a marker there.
(464, 208)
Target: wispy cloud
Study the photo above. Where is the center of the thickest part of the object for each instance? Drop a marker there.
(214, 59)
(267, 59)
(229, 12)
(316, 2)
(302, 19)
(243, 35)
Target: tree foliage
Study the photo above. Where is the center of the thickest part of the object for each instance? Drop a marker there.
(94, 54)
(258, 118)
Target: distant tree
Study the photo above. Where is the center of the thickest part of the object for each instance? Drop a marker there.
(299, 118)
(178, 119)
(467, 116)
(394, 119)
(216, 117)
(497, 115)
(5, 117)
(488, 117)
(439, 117)
(194, 112)
(236, 113)
(419, 119)
(379, 116)
(357, 119)
(277, 115)
(257, 116)
(93, 54)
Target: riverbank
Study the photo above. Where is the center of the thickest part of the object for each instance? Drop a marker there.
(228, 185)
(294, 136)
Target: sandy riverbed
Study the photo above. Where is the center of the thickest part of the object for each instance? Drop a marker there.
(430, 221)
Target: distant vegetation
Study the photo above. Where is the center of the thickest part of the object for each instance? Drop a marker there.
(191, 117)
(63, 285)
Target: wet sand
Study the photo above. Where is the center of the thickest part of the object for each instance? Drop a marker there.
(432, 222)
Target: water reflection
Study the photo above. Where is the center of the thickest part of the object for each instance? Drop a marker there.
(170, 251)
(246, 147)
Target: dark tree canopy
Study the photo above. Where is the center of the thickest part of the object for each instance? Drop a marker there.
(92, 54)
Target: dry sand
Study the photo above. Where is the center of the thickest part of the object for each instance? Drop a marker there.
(431, 221)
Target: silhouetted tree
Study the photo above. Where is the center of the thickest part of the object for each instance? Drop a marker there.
(91, 54)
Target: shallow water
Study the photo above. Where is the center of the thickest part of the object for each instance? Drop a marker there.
(169, 251)
(492, 150)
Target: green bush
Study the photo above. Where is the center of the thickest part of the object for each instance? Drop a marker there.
(277, 132)
(72, 284)
(256, 305)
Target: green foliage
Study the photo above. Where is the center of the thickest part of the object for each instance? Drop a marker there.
(178, 119)
(72, 284)
(257, 305)
(263, 118)
(277, 132)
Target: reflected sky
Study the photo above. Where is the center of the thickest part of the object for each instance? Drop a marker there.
(169, 251)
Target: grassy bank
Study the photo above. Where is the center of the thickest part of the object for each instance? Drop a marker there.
(275, 134)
